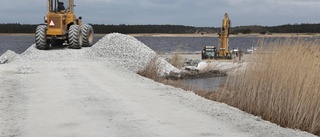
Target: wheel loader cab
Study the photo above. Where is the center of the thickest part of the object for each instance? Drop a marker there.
(59, 6)
(59, 18)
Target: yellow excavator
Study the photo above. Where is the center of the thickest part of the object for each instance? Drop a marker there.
(62, 26)
(221, 58)
(211, 52)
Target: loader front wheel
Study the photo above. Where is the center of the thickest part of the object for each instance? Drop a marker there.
(87, 34)
(75, 37)
(41, 41)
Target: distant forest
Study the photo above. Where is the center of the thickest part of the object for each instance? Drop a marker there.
(174, 29)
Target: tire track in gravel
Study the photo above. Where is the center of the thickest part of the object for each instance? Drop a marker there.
(57, 105)
(12, 99)
(148, 110)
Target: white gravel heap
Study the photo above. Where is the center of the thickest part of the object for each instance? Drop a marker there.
(8, 55)
(121, 50)
(53, 54)
(129, 53)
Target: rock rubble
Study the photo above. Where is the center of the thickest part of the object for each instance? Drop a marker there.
(8, 55)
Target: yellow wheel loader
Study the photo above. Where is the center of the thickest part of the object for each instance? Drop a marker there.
(62, 26)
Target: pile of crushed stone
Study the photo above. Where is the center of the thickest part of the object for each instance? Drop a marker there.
(129, 53)
(7, 56)
(54, 54)
(118, 49)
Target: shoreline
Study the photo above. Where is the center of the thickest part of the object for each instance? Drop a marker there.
(276, 35)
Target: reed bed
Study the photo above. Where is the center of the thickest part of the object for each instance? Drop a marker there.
(281, 84)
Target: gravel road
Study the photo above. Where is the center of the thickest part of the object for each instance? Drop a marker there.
(95, 92)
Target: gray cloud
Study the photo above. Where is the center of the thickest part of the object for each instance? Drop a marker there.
(184, 12)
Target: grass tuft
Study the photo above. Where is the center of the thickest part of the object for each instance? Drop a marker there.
(152, 69)
(176, 60)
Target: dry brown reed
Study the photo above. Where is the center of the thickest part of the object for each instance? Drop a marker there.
(280, 84)
(176, 60)
(151, 70)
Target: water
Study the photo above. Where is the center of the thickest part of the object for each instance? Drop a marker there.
(192, 44)
(17, 44)
(207, 84)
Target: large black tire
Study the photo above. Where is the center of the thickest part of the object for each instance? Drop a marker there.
(75, 37)
(87, 34)
(41, 41)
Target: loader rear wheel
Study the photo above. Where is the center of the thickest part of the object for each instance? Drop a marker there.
(87, 34)
(75, 37)
(41, 41)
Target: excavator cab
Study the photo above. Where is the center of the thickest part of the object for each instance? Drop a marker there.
(209, 52)
(62, 26)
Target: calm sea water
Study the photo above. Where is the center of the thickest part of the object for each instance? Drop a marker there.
(19, 44)
(192, 44)
(207, 84)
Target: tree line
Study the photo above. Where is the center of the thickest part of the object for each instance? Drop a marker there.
(103, 29)
(127, 29)
(174, 29)
(287, 28)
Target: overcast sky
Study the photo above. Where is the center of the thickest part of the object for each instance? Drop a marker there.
(201, 13)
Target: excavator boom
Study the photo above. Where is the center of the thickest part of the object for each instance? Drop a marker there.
(212, 52)
(224, 36)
